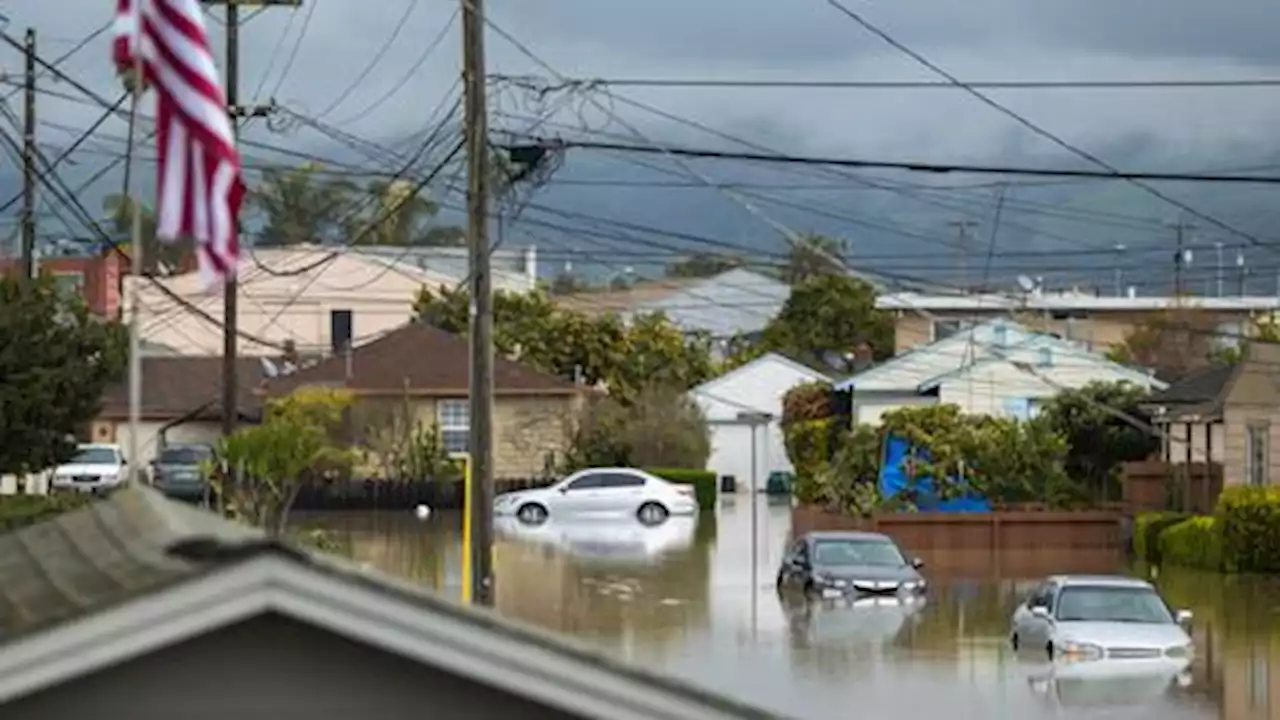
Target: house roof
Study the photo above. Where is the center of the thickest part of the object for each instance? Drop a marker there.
(923, 367)
(1202, 386)
(624, 301)
(735, 302)
(420, 359)
(710, 386)
(137, 573)
(908, 370)
(178, 386)
(1122, 372)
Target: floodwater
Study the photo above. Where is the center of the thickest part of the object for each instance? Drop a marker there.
(683, 599)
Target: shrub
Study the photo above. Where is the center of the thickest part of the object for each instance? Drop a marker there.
(1193, 543)
(1146, 533)
(703, 482)
(1250, 518)
(808, 401)
(19, 511)
(662, 427)
(810, 446)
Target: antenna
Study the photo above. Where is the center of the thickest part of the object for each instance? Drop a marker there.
(1026, 283)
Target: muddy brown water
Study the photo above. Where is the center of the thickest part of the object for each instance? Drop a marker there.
(681, 599)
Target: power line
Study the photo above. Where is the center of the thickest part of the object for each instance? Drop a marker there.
(895, 165)
(905, 84)
(1135, 180)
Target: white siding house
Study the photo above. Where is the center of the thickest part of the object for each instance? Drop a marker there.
(997, 368)
(757, 387)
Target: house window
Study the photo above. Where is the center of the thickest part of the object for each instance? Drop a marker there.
(1256, 451)
(70, 285)
(943, 329)
(1046, 357)
(454, 418)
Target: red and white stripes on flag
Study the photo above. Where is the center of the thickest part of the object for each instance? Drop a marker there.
(199, 186)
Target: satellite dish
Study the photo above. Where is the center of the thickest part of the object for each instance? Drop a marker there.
(268, 368)
(1026, 283)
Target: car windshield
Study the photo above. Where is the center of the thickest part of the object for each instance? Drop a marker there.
(183, 456)
(1112, 604)
(857, 552)
(95, 456)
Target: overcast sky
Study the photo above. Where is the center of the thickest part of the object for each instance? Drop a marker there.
(757, 39)
(767, 39)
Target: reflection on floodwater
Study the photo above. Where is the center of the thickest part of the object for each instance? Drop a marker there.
(680, 598)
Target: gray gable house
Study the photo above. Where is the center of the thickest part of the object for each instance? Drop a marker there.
(141, 608)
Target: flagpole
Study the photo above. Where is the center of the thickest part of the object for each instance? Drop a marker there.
(135, 269)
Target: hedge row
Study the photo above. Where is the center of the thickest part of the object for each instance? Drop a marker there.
(703, 482)
(19, 511)
(1243, 534)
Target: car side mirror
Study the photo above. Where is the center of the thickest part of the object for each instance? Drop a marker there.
(1183, 617)
(1040, 611)
(917, 563)
(563, 490)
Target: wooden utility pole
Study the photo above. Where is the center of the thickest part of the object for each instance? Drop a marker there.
(29, 175)
(230, 296)
(475, 123)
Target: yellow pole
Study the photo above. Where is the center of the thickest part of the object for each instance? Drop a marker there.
(466, 524)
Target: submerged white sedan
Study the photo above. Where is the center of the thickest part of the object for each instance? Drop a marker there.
(1082, 618)
(601, 491)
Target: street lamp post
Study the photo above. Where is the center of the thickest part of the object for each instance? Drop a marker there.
(754, 420)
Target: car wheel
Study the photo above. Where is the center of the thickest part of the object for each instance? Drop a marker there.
(531, 514)
(651, 513)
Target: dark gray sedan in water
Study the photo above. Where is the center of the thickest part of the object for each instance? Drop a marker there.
(833, 565)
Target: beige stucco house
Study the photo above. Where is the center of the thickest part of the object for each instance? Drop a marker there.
(139, 607)
(421, 373)
(293, 295)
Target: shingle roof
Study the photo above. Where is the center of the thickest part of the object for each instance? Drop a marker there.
(420, 359)
(138, 542)
(1198, 387)
(177, 386)
(99, 556)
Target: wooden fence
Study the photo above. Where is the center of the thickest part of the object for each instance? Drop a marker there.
(395, 494)
(1152, 485)
(986, 532)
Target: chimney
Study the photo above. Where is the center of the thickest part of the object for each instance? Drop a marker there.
(340, 322)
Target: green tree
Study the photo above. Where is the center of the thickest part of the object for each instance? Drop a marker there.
(1100, 440)
(661, 427)
(56, 361)
(813, 257)
(262, 467)
(301, 205)
(700, 265)
(158, 257)
(400, 215)
(1174, 343)
(626, 357)
(830, 314)
(1264, 329)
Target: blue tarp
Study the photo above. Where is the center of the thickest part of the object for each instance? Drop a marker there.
(893, 479)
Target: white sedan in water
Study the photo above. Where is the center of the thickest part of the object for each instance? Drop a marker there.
(1090, 618)
(601, 491)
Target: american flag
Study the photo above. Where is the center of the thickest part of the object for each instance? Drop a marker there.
(199, 186)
